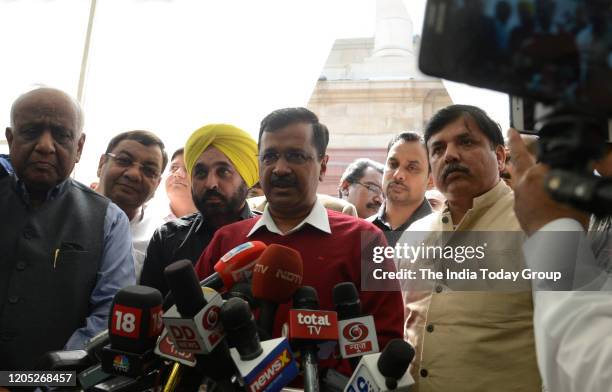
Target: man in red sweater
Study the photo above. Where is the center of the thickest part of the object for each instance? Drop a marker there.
(292, 144)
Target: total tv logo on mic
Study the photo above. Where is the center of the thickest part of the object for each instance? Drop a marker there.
(357, 336)
(313, 324)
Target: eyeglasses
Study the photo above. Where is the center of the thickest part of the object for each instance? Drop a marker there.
(126, 162)
(372, 188)
(293, 157)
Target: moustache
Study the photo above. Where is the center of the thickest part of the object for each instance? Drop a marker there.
(373, 206)
(397, 184)
(212, 193)
(283, 182)
(454, 167)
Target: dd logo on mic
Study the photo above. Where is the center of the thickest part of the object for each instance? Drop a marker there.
(211, 317)
(355, 332)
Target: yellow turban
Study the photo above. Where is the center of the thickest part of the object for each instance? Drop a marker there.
(237, 145)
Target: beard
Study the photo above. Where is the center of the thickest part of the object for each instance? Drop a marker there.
(225, 206)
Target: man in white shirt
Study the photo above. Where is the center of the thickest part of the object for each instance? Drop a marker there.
(130, 172)
(572, 328)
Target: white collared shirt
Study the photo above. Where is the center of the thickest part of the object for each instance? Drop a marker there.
(142, 227)
(317, 218)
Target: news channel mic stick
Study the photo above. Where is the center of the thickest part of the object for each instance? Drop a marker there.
(193, 322)
(276, 276)
(309, 326)
(193, 325)
(134, 324)
(356, 332)
(234, 266)
(263, 366)
(384, 371)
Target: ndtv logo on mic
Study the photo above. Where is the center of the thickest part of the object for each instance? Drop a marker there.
(267, 375)
(313, 324)
(280, 274)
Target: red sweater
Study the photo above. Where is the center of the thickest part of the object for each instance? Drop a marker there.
(328, 259)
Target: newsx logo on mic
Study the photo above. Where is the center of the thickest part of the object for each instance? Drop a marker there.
(201, 334)
(271, 371)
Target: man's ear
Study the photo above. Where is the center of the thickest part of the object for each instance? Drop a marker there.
(80, 144)
(344, 188)
(323, 167)
(430, 183)
(500, 154)
(9, 135)
(103, 159)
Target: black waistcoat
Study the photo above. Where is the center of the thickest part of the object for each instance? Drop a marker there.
(49, 258)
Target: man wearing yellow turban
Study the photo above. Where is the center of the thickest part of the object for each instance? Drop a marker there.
(221, 161)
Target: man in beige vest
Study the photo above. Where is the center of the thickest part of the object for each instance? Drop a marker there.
(476, 338)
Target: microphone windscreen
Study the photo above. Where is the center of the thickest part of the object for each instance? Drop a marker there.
(185, 286)
(346, 300)
(243, 291)
(135, 319)
(277, 274)
(306, 297)
(236, 265)
(395, 358)
(240, 327)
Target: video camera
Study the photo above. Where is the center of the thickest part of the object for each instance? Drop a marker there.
(555, 59)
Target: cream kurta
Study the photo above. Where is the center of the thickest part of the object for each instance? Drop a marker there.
(474, 340)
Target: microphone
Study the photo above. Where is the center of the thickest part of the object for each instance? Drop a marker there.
(267, 365)
(194, 327)
(166, 349)
(356, 333)
(276, 276)
(96, 343)
(385, 371)
(75, 360)
(134, 324)
(243, 291)
(234, 266)
(308, 326)
(193, 322)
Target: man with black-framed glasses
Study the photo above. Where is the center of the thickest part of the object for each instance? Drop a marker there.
(130, 172)
(361, 185)
(405, 179)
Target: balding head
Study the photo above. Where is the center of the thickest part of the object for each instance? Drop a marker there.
(46, 93)
(45, 138)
